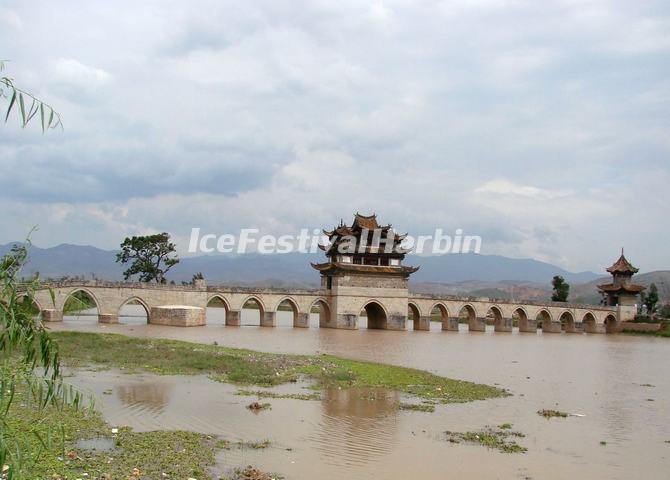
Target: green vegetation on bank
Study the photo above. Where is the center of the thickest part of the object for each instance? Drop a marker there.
(414, 407)
(552, 413)
(247, 367)
(77, 443)
(502, 439)
(661, 321)
(266, 394)
(655, 333)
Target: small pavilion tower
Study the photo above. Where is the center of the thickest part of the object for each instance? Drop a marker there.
(621, 291)
(365, 272)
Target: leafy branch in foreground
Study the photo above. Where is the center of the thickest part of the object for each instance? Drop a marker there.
(28, 104)
(29, 370)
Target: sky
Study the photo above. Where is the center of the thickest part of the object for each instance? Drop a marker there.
(540, 126)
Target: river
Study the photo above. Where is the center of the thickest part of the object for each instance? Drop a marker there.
(619, 383)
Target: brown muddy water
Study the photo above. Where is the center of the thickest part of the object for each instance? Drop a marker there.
(360, 434)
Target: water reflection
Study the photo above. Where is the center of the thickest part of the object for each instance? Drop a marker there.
(148, 397)
(357, 425)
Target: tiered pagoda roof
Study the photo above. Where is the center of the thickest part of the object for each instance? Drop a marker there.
(361, 252)
(622, 266)
(337, 267)
(622, 270)
(627, 288)
(363, 224)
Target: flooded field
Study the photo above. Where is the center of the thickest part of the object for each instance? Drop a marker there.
(618, 383)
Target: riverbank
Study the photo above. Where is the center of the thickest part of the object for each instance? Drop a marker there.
(70, 443)
(650, 333)
(349, 434)
(67, 442)
(247, 367)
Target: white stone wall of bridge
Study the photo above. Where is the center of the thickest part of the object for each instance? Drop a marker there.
(342, 306)
(553, 317)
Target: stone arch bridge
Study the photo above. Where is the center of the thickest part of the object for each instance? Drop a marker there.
(185, 305)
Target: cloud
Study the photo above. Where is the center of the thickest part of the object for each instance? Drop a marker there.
(502, 186)
(74, 74)
(541, 127)
(11, 20)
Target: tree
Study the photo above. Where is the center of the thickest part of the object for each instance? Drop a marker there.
(651, 299)
(29, 368)
(151, 256)
(28, 104)
(561, 289)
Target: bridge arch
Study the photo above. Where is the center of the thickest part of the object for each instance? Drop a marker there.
(567, 320)
(468, 314)
(31, 298)
(441, 311)
(589, 322)
(216, 303)
(324, 311)
(220, 298)
(293, 305)
(254, 298)
(414, 314)
(250, 300)
(29, 304)
(75, 303)
(88, 293)
(610, 323)
(521, 316)
(135, 300)
(495, 315)
(543, 318)
(376, 313)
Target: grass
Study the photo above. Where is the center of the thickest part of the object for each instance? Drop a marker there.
(177, 454)
(246, 367)
(251, 473)
(254, 445)
(503, 440)
(414, 407)
(657, 333)
(266, 394)
(552, 413)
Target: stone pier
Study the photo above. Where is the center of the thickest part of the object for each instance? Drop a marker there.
(108, 318)
(503, 325)
(52, 315)
(450, 324)
(552, 327)
(301, 320)
(177, 316)
(424, 324)
(477, 324)
(233, 318)
(529, 326)
(268, 319)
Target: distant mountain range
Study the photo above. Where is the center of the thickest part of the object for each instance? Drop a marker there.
(77, 260)
(463, 274)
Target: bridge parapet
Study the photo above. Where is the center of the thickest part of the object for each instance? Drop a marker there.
(505, 301)
(267, 290)
(119, 284)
